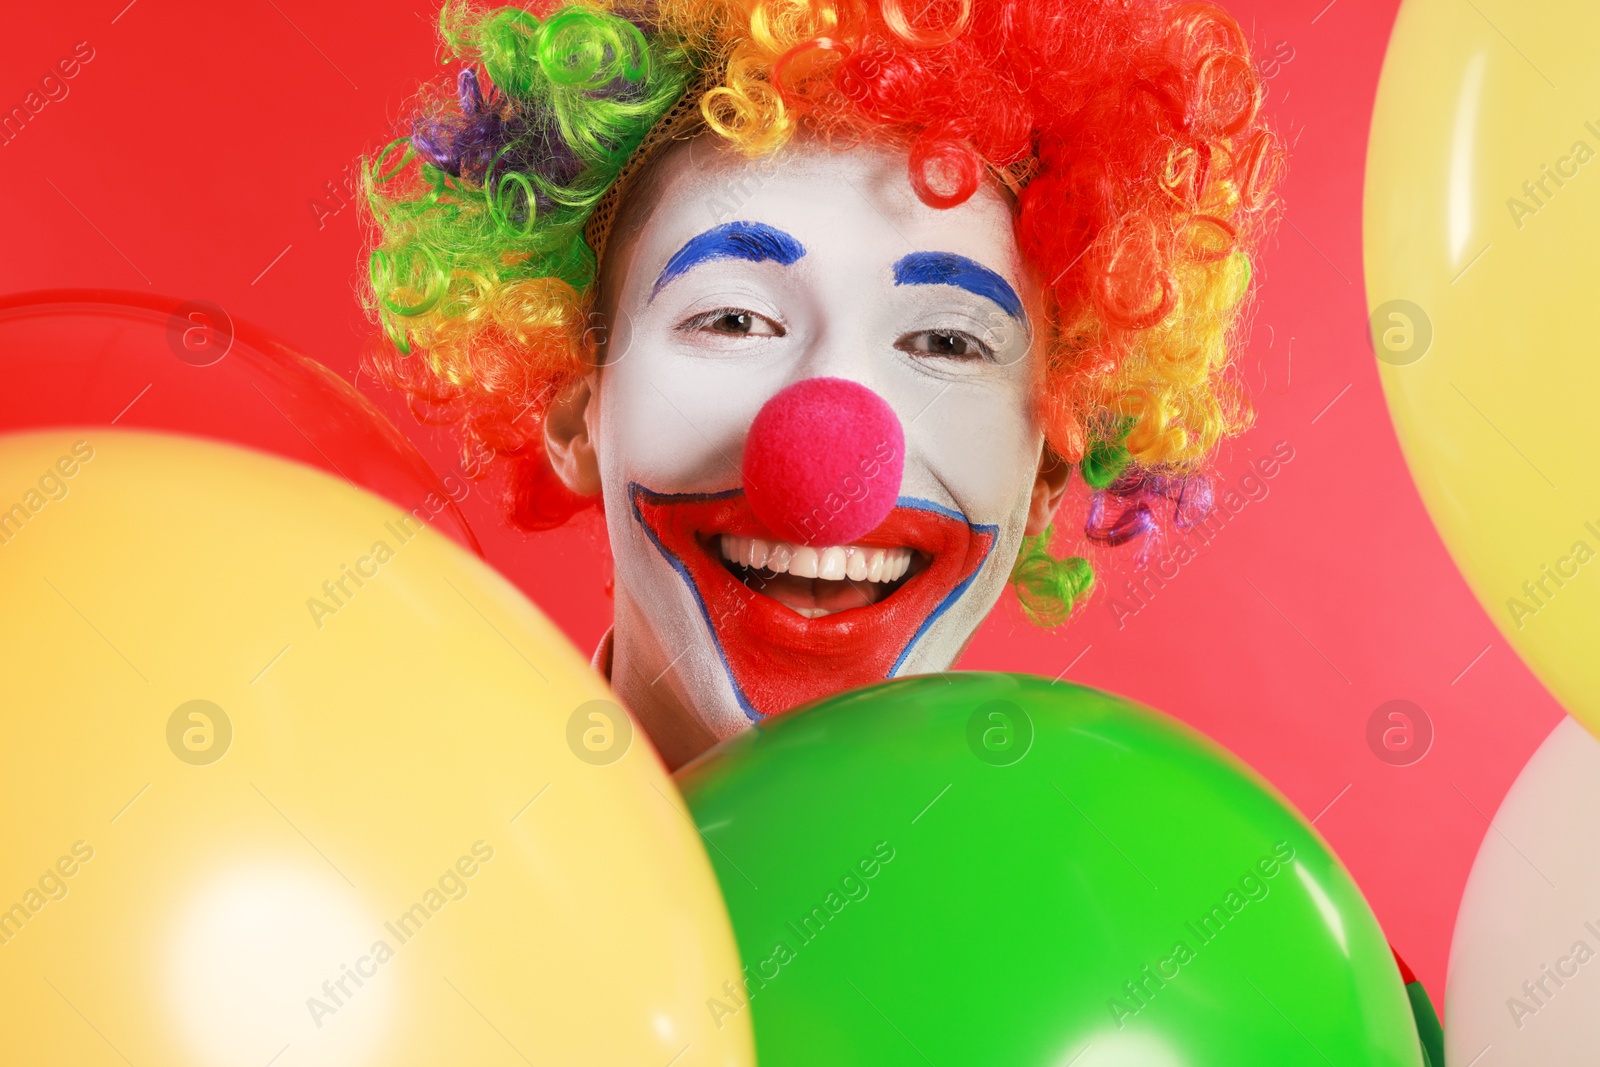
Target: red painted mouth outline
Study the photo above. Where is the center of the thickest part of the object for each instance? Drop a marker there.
(777, 659)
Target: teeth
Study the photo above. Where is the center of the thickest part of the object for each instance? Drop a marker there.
(857, 563)
(804, 563)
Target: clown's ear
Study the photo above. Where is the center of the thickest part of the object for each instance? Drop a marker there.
(1049, 488)
(567, 440)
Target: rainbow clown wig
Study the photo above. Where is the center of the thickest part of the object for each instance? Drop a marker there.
(1128, 133)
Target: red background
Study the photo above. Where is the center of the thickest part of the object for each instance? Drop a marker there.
(190, 154)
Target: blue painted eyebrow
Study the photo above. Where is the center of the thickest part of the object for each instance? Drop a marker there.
(947, 268)
(752, 241)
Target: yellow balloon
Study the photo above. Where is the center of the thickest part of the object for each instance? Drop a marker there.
(1482, 228)
(289, 778)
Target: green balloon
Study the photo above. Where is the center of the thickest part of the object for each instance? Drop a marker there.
(995, 869)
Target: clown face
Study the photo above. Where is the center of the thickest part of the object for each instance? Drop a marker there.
(893, 345)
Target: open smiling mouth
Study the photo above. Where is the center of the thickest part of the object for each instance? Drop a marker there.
(793, 623)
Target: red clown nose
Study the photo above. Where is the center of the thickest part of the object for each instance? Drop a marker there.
(823, 461)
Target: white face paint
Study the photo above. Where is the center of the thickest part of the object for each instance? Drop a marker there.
(698, 347)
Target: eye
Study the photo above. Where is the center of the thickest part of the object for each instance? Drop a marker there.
(947, 344)
(732, 322)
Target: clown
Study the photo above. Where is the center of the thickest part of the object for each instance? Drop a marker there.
(827, 305)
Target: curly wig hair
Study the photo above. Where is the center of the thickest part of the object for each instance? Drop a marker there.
(1129, 130)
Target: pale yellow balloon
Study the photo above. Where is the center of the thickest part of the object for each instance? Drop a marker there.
(394, 830)
(1483, 214)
